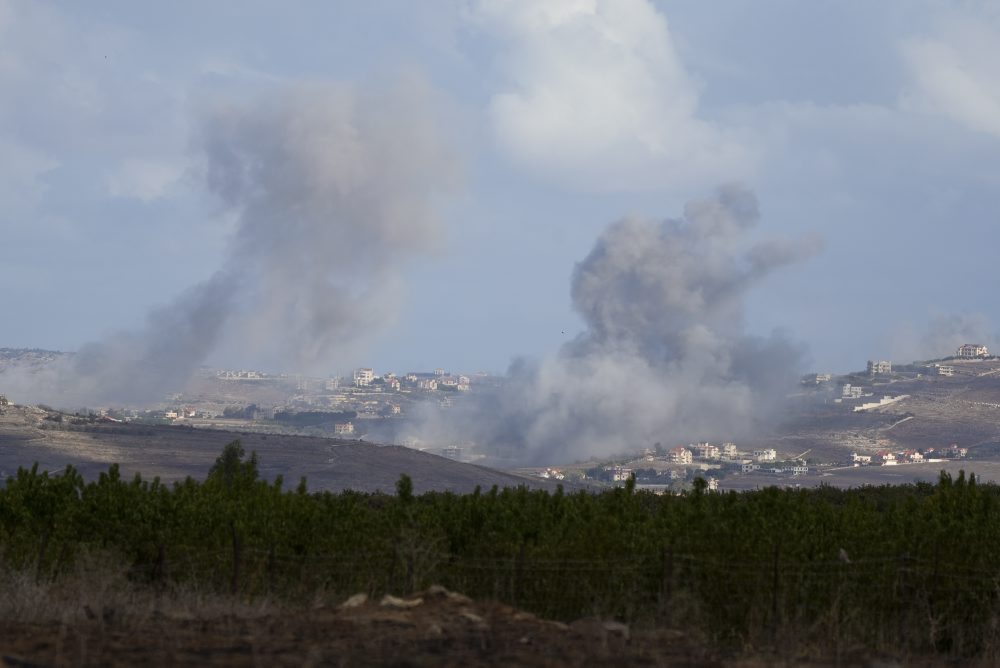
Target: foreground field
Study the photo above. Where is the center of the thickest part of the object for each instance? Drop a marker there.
(431, 628)
(60, 626)
(904, 571)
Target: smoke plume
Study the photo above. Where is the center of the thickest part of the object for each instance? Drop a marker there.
(332, 189)
(664, 356)
(942, 336)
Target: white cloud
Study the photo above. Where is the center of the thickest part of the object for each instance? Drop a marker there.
(956, 73)
(597, 96)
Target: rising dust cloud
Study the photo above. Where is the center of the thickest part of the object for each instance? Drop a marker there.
(333, 188)
(664, 356)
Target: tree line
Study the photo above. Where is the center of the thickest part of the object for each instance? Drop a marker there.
(909, 567)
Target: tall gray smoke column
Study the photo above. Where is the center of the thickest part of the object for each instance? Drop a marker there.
(664, 357)
(333, 188)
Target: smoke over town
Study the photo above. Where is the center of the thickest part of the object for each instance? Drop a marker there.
(332, 188)
(664, 355)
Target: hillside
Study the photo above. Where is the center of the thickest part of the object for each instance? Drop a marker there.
(936, 412)
(29, 434)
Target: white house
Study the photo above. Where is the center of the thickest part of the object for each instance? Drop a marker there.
(972, 351)
(363, 377)
(765, 455)
(861, 460)
(877, 367)
(851, 391)
(707, 451)
(620, 474)
(887, 458)
(681, 455)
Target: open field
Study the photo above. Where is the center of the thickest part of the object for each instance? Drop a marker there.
(175, 452)
(443, 629)
(849, 476)
(237, 572)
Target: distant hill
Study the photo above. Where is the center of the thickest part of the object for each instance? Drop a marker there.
(962, 408)
(28, 357)
(30, 434)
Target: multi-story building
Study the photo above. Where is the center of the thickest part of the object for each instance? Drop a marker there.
(363, 377)
(851, 391)
(882, 366)
(620, 474)
(972, 351)
(343, 428)
(765, 455)
(707, 451)
(681, 455)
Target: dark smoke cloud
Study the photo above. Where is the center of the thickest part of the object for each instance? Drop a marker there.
(332, 188)
(664, 356)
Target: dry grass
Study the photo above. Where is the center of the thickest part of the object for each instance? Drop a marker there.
(98, 587)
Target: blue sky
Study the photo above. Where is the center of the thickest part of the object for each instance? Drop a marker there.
(874, 127)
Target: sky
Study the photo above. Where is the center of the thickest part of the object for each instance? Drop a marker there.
(869, 130)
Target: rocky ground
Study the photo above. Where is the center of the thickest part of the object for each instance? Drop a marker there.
(434, 628)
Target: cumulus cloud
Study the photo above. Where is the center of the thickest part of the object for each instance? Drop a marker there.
(664, 355)
(597, 96)
(332, 189)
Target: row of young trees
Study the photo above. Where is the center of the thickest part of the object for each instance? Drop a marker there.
(906, 567)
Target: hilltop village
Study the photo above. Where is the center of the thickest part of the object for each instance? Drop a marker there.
(886, 415)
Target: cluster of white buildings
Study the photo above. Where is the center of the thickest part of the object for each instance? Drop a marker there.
(438, 380)
(892, 458)
(241, 375)
(745, 462)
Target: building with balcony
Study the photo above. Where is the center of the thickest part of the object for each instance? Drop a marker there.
(972, 351)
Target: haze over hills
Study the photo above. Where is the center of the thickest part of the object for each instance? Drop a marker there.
(939, 410)
(29, 435)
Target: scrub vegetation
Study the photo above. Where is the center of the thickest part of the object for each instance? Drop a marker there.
(909, 570)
